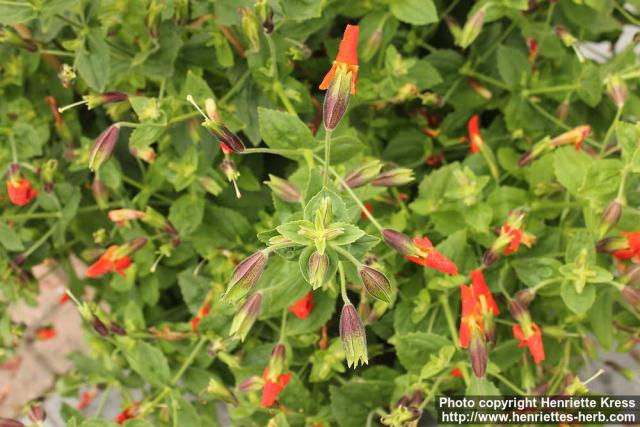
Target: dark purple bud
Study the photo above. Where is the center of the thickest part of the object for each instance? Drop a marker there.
(103, 146)
(117, 329)
(400, 242)
(479, 355)
(230, 139)
(284, 189)
(632, 275)
(490, 257)
(246, 316)
(394, 177)
(100, 193)
(363, 174)
(632, 296)
(526, 158)
(610, 217)
(525, 297)
(99, 326)
(376, 283)
(277, 361)
(96, 100)
(336, 99)
(245, 276)
(352, 334)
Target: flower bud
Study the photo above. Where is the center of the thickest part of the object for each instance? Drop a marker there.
(250, 26)
(284, 189)
(480, 90)
(617, 90)
(265, 14)
(217, 389)
(245, 276)
(632, 296)
(611, 244)
(376, 283)
(524, 297)
(123, 216)
(253, 383)
(146, 154)
(100, 193)
(210, 185)
(117, 329)
(277, 362)
(8, 422)
(518, 310)
(96, 100)
(47, 173)
(632, 275)
(246, 317)
(400, 242)
(317, 269)
(478, 353)
(353, 337)
(562, 112)
(336, 99)
(565, 36)
(472, 28)
(394, 177)
(363, 174)
(490, 257)
(37, 413)
(99, 326)
(103, 146)
(610, 217)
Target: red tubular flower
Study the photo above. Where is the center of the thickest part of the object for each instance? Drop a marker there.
(531, 337)
(20, 191)
(204, 310)
(633, 246)
(340, 81)
(86, 398)
(45, 334)
(109, 261)
(473, 126)
(303, 307)
(533, 46)
(456, 372)
(472, 330)
(129, 413)
(272, 389)
(430, 257)
(514, 242)
(369, 208)
(481, 291)
(575, 136)
(347, 57)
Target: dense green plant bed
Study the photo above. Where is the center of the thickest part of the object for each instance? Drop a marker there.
(321, 213)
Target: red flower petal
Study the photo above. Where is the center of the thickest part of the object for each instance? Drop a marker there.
(456, 372)
(303, 307)
(480, 288)
(20, 191)
(440, 262)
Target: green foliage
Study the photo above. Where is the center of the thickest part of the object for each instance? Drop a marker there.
(253, 69)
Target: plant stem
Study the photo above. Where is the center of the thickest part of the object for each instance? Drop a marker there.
(236, 86)
(551, 89)
(626, 14)
(34, 215)
(616, 118)
(622, 198)
(485, 78)
(444, 301)
(343, 284)
(57, 53)
(347, 255)
(283, 325)
(277, 86)
(103, 401)
(40, 241)
(281, 151)
(509, 384)
(327, 157)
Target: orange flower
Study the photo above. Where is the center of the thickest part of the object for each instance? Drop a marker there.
(430, 257)
(369, 208)
(20, 191)
(204, 310)
(574, 136)
(473, 126)
(482, 292)
(531, 337)
(45, 334)
(347, 59)
(127, 414)
(272, 389)
(303, 307)
(122, 216)
(86, 398)
(633, 246)
(456, 372)
(514, 242)
(109, 261)
(472, 329)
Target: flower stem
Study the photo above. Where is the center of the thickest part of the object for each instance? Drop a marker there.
(551, 89)
(607, 136)
(327, 157)
(40, 241)
(103, 401)
(283, 325)
(343, 284)
(347, 255)
(444, 301)
(509, 384)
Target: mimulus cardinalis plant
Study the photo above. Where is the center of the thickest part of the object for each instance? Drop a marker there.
(320, 213)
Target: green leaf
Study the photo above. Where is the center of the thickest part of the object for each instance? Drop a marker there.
(512, 65)
(416, 12)
(145, 135)
(350, 234)
(94, 62)
(17, 12)
(571, 167)
(149, 362)
(9, 238)
(352, 401)
(481, 387)
(283, 130)
(601, 318)
(183, 412)
(532, 271)
(193, 288)
(187, 213)
(301, 10)
(414, 349)
(577, 302)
